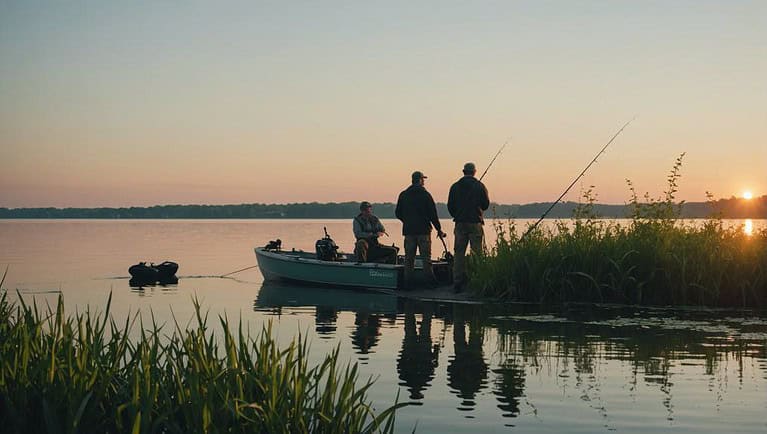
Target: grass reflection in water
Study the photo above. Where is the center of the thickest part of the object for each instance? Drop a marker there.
(522, 365)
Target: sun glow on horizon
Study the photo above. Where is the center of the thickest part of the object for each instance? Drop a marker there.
(747, 195)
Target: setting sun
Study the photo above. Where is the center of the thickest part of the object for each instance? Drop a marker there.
(747, 195)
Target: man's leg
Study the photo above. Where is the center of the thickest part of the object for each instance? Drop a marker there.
(477, 239)
(424, 246)
(459, 249)
(382, 254)
(411, 242)
(361, 250)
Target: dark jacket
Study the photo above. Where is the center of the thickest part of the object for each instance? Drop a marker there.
(467, 199)
(416, 209)
(367, 229)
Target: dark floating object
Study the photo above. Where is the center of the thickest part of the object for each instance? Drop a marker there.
(274, 246)
(152, 272)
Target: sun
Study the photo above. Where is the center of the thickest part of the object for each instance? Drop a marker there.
(747, 195)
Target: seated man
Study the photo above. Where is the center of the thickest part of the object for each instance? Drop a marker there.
(367, 230)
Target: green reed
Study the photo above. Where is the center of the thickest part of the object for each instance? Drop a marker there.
(84, 373)
(656, 259)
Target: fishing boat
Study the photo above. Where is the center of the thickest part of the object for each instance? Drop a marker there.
(328, 266)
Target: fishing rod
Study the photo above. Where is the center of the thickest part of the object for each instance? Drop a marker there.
(575, 180)
(493, 160)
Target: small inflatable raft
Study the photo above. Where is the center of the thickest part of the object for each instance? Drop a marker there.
(153, 272)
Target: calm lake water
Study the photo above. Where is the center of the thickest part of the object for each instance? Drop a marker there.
(465, 368)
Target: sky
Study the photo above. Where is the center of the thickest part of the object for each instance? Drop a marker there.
(144, 103)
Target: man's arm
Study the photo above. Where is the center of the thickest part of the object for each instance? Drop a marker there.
(398, 208)
(433, 217)
(485, 198)
(451, 198)
(379, 227)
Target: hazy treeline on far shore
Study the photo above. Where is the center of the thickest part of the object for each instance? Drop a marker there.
(724, 208)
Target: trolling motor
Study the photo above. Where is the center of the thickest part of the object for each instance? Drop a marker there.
(327, 249)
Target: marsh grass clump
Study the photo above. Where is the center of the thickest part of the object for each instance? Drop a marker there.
(656, 259)
(84, 373)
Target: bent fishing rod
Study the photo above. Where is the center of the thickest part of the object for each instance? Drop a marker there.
(493, 160)
(543, 216)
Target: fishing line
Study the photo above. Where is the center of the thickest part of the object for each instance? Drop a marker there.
(233, 272)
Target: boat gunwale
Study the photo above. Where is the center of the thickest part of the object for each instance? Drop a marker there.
(284, 255)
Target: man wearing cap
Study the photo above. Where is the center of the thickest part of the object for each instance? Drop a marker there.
(418, 213)
(367, 229)
(467, 200)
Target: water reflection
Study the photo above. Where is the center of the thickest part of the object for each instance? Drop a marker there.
(366, 332)
(141, 286)
(526, 364)
(419, 357)
(748, 227)
(276, 295)
(467, 369)
(509, 386)
(325, 321)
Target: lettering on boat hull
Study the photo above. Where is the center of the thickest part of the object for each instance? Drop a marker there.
(378, 274)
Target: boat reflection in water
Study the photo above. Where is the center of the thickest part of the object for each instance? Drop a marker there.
(608, 368)
(370, 309)
(278, 295)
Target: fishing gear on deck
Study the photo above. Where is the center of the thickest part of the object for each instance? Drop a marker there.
(530, 229)
(446, 256)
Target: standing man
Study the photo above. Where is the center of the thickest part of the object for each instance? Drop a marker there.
(467, 200)
(367, 229)
(418, 213)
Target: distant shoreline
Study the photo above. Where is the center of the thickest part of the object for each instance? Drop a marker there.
(725, 208)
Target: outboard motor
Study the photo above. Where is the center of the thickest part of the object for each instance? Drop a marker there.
(327, 250)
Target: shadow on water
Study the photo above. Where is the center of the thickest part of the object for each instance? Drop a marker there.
(497, 350)
(169, 283)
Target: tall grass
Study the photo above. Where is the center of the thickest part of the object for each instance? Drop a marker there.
(83, 373)
(656, 259)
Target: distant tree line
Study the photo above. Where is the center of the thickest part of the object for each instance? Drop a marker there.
(724, 208)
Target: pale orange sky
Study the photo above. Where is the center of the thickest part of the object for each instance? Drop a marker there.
(144, 103)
